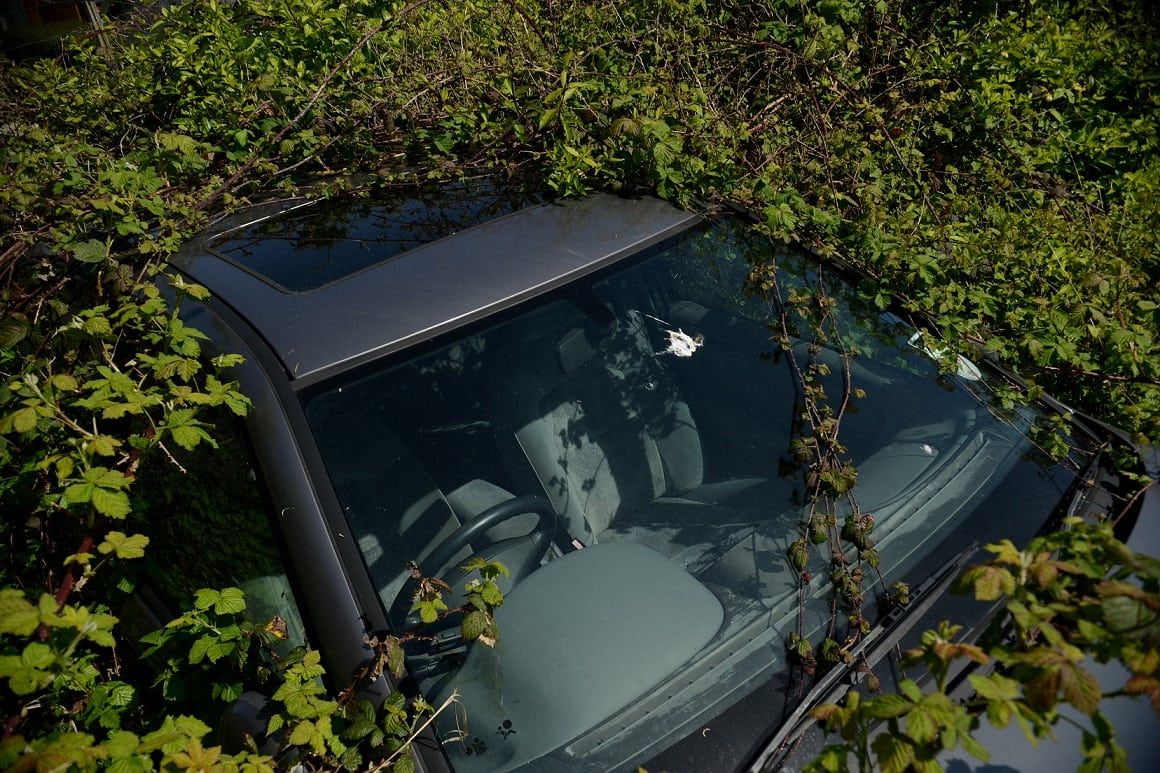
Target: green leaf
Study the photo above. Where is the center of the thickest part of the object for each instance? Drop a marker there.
(17, 615)
(219, 649)
(974, 748)
(102, 487)
(188, 436)
(395, 701)
(429, 609)
(230, 601)
(103, 445)
(404, 763)
(64, 382)
(135, 763)
(351, 759)
(546, 118)
(121, 743)
(894, 753)
(1042, 691)
(27, 672)
(64, 467)
(833, 759)
(302, 734)
(25, 681)
(887, 707)
(491, 594)
(122, 546)
(200, 648)
(228, 691)
(25, 419)
(1123, 613)
(1006, 552)
(97, 326)
(988, 581)
(13, 329)
(910, 689)
(114, 504)
(395, 724)
(180, 143)
(921, 725)
(474, 624)
(205, 598)
(69, 751)
(1080, 688)
(995, 687)
(110, 479)
(395, 660)
(91, 251)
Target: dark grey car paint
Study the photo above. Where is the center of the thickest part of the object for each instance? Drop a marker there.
(435, 288)
(307, 336)
(327, 590)
(384, 309)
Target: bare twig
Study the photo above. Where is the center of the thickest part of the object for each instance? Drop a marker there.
(406, 745)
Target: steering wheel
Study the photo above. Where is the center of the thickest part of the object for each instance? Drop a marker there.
(527, 551)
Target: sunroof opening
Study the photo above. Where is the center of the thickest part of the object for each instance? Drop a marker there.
(313, 246)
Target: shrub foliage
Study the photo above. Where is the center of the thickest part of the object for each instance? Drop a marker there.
(993, 165)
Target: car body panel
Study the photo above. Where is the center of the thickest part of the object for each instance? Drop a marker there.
(294, 341)
(435, 288)
(337, 618)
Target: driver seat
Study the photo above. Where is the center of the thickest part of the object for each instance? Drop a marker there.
(396, 512)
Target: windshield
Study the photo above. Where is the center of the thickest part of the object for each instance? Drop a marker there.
(655, 406)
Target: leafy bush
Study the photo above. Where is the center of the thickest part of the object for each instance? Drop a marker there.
(1062, 604)
(994, 165)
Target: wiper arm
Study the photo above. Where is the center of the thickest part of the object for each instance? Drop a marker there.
(870, 649)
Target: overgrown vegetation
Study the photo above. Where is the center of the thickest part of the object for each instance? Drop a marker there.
(1062, 605)
(992, 164)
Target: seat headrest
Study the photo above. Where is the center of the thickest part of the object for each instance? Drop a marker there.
(574, 350)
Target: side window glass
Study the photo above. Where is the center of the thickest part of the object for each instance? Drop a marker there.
(210, 527)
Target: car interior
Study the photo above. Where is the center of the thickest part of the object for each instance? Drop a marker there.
(673, 488)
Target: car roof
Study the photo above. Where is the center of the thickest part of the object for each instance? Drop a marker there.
(408, 296)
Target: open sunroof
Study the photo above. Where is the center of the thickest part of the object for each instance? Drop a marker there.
(312, 246)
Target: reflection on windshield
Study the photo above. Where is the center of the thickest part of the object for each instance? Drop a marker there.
(654, 408)
(321, 243)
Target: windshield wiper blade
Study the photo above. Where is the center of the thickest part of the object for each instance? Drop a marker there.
(870, 649)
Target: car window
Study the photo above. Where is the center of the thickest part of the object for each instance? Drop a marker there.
(654, 404)
(215, 530)
(321, 243)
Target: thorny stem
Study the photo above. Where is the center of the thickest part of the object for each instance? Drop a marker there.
(70, 579)
(826, 449)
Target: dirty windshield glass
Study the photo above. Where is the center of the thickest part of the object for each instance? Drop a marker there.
(654, 405)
